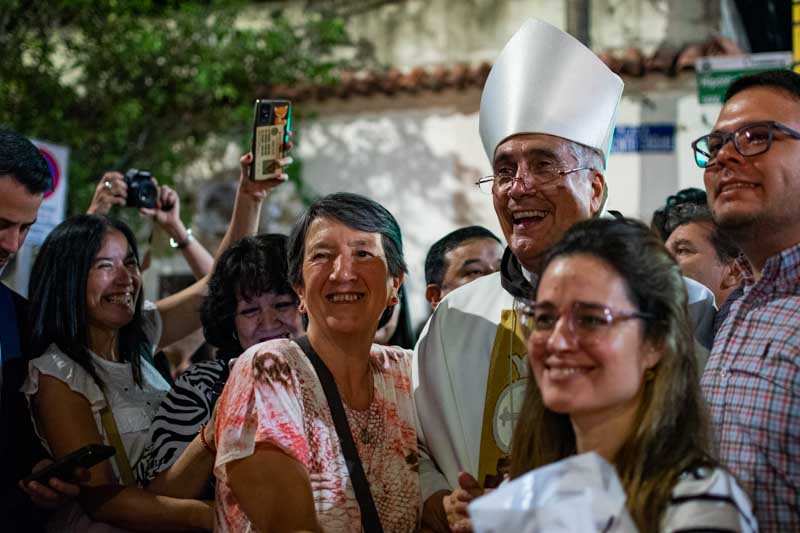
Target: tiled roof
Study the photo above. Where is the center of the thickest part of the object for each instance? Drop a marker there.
(627, 63)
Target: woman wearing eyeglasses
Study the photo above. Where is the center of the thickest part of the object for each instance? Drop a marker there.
(610, 348)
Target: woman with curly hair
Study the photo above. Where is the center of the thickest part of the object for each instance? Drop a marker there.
(249, 301)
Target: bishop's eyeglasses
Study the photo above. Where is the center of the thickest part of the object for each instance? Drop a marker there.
(538, 176)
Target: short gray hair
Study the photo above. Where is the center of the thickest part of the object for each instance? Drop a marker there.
(589, 157)
(586, 156)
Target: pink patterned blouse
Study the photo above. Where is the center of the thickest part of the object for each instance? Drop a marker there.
(273, 396)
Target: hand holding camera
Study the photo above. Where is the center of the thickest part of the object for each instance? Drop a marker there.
(111, 190)
(137, 188)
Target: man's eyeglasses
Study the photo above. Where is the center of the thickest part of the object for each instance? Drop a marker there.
(536, 179)
(752, 139)
(585, 320)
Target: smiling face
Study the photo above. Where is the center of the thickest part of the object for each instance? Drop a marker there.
(533, 220)
(346, 280)
(600, 374)
(113, 284)
(759, 193)
(265, 317)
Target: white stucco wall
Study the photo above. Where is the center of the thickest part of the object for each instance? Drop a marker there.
(422, 162)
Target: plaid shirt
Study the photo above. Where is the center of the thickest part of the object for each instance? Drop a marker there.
(752, 385)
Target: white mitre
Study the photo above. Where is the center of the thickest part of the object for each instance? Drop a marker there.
(546, 81)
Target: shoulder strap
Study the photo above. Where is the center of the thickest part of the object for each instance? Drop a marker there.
(121, 457)
(369, 513)
(219, 384)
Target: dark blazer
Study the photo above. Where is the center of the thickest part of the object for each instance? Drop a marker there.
(20, 449)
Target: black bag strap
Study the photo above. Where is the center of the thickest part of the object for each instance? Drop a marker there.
(219, 384)
(369, 513)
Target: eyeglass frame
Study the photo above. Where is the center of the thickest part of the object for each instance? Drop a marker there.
(559, 173)
(772, 125)
(612, 316)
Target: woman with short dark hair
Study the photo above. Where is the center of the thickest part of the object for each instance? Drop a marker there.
(303, 425)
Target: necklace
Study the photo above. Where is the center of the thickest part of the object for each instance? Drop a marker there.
(364, 435)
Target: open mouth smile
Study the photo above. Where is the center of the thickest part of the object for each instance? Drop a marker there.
(345, 297)
(528, 216)
(125, 298)
(565, 372)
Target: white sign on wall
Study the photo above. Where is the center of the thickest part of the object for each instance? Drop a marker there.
(54, 206)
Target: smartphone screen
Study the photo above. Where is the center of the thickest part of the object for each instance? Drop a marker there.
(272, 121)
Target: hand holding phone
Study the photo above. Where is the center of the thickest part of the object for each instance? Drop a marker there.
(64, 468)
(272, 121)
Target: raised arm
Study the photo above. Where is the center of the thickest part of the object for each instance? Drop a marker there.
(180, 312)
(167, 214)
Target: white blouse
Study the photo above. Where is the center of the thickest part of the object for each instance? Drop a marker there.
(133, 407)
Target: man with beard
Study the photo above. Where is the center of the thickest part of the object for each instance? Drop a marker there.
(752, 380)
(546, 121)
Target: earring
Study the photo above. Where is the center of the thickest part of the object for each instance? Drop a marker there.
(649, 375)
(393, 301)
(235, 336)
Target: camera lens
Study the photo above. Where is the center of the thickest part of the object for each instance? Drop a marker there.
(147, 195)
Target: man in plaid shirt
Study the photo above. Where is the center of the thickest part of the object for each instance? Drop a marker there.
(752, 379)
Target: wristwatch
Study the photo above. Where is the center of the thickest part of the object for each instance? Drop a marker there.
(184, 243)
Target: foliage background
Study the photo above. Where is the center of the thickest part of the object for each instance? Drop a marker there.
(150, 83)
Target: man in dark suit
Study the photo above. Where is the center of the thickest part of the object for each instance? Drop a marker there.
(24, 178)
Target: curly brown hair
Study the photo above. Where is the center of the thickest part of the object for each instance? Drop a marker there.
(251, 267)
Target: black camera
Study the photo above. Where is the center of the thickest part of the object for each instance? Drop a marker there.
(142, 192)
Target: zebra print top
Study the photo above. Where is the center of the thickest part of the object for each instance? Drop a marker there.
(186, 407)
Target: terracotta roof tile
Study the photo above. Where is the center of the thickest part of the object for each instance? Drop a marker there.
(630, 62)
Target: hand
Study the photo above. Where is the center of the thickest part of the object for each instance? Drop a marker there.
(258, 189)
(58, 492)
(455, 504)
(434, 517)
(167, 212)
(111, 190)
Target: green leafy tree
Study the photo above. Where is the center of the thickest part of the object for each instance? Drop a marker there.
(150, 83)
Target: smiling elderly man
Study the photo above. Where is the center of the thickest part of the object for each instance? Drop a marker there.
(546, 121)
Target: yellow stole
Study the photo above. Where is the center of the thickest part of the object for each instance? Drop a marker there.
(505, 391)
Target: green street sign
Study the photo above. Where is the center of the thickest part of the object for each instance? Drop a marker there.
(716, 73)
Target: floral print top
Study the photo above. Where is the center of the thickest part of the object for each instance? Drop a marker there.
(273, 396)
